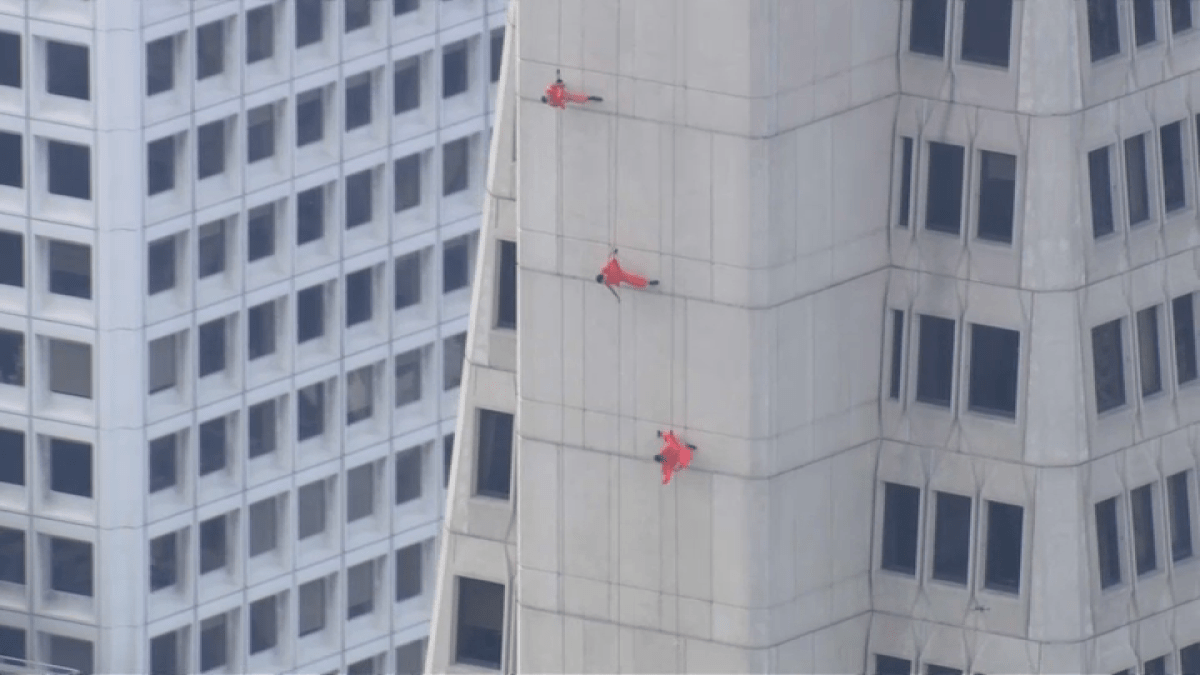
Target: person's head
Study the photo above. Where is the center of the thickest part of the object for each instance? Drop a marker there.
(543, 99)
(658, 458)
(599, 278)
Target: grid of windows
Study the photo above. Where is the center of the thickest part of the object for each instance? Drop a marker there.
(1123, 171)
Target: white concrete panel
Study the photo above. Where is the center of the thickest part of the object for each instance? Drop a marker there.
(586, 168)
(739, 201)
(573, 331)
(538, 32)
(648, 31)
(862, 140)
(814, 191)
(1052, 250)
(654, 358)
(601, 353)
(589, 598)
(692, 233)
(733, 69)
(539, 516)
(601, 648)
(541, 346)
(874, 32)
(540, 642)
(585, 514)
(540, 167)
(740, 564)
(638, 496)
(646, 651)
(1048, 57)
(1056, 406)
(833, 42)
(709, 657)
(639, 187)
(718, 379)
(600, 41)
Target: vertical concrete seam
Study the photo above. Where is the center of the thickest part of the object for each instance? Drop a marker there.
(561, 454)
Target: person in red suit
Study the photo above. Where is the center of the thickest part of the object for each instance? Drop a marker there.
(675, 456)
(612, 275)
(557, 94)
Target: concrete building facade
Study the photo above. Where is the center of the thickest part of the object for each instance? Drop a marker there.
(236, 245)
(927, 308)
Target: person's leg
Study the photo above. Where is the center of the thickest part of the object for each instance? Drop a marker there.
(692, 446)
(599, 278)
(658, 458)
(543, 99)
(659, 432)
(595, 98)
(653, 282)
(635, 280)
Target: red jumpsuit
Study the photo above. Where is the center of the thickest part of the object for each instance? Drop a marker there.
(557, 96)
(614, 275)
(676, 456)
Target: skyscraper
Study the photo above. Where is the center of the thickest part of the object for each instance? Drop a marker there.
(927, 310)
(236, 242)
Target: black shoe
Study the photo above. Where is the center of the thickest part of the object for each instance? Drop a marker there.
(595, 98)
(654, 282)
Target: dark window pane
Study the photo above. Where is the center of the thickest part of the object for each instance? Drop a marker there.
(262, 428)
(310, 215)
(455, 174)
(310, 411)
(408, 280)
(906, 168)
(986, 28)
(70, 172)
(160, 265)
(408, 377)
(1141, 509)
(12, 555)
(260, 232)
(901, 513)
(506, 302)
(264, 631)
(454, 349)
(71, 566)
(407, 178)
(263, 528)
(1148, 359)
(409, 561)
(1004, 547)
(67, 70)
(480, 634)
(310, 313)
(1103, 29)
(260, 321)
(897, 353)
(210, 149)
(212, 347)
(927, 27)
(360, 492)
(310, 509)
(359, 198)
(360, 395)
(404, 6)
(1136, 180)
(1108, 366)
(456, 263)
(312, 607)
(12, 358)
(995, 363)
(310, 22)
(164, 469)
(408, 475)
(1181, 15)
(935, 360)
(1185, 338)
(260, 33)
(406, 81)
(1173, 181)
(1156, 666)
(1179, 504)
(10, 59)
(410, 658)
(12, 162)
(359, 297)
(12, 457)
(932, 669)
(997, 192)
(213, 446)
(213, 544)
(890, 665)
(12, 259)
(1144, 29)
(214, 636)
(260, 133)
(164, 654)
(493, 476)
(1108, 550)
(162, 363)
(1100, 183)
(358, 14)
(210, 50)
(358, 101)
(77, 655)
(943, 201)
(12, 642)
(70, 269)
(1189, 659)
(310, 116)
(164, 561)
(360, 590)
(71, 467)
(210, 249)
(952, 538)
(71, 368)
(454, 68)
(160, 65)
(447, 456)
(497, 53)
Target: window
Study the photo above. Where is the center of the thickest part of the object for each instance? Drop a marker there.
(312, 607)
(263, 526)
(1103, 32)
(997, 191)
(927, 27)
(12, 358)
(455, 158)
(360, 394)
(1181, 15)
(506, 303)
(310, 112)
(260, 320)
(310, 502)
(1108, 552)
(310, 215)
(210, 50)
(160, 65)
(1156, 666)
(67, 72)
(906, 167)
(70, 269)
(454, 68)
(1108, 366)
(163, 369)
(213, 446)
(359, 198)
(410, 658)
(1185, 338)
(12, 556)
(1143, 22)
(933, 669)
(935, 360)
(943, 200)
(497, 53)
(210, 149)
(260, 232)
(214, 641)
(358, 14)
(406, 81)
(409, 562)
(310, 411)
(407, 182)
(447, 456)
(310, 22)
(494, 474)
(1002, 572)
(310, 313)
(404, 6)
(454, 350)
(408, 475)
(1189, 659)
(164, 561)
(456, 263)
(986, 26)
(359, 297)
(71, 566)
(264, 624)
(70, 172)
(1141, 510)
(1148, 358)
(901, 513)
(12, 164)
(1100, 183)
(213, 544)
(1179, 505)
(164, 462)
(952, 538)
(368, 666)
(160, 265)
(360, 589)
(70, 368)
(10, 59)
(12, 259)
(260, 34)
(70, 653)
(995, 358)
(71, 467)
(358, 97)
(210, 249)
(1136, 180)
(12, 457)
(165, 654)
(1173, 181)
(890, 665)
(408, 280)
(408, 377)
(360, 492)
(262, 428)
(260, 132)
(212, 354)
(480, 631)
(897, 354)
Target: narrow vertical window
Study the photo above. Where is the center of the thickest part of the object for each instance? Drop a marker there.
(1148, 359)
(1141, 511)
(1136, 181)
(997, 194)
(1100, 183)
(1181, 15)
(1108, 551)
(952, 538)
(1185, 338)
(901, 511)
(986, 28)
(1180, 504)
(1104, 37)
(1005, 526)
(943, 200)
(927, 27)
(1144, 29)
(1173, 180)
(1108, 366)
(935, 360)
(897, 352)
(506, 301)
(905, 182)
